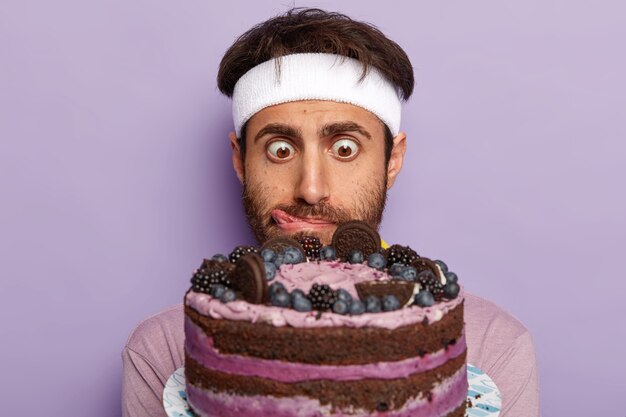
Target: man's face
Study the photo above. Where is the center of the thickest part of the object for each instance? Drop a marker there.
(311, 165)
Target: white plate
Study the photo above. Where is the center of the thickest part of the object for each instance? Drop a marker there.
(488, 405)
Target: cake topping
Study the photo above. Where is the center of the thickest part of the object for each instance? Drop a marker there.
(293, 255)
(355, 257)
(268, 255)
(390, 302)
(425, 264)
(240, 251)
(204, 279)
(376, 261)
(322, 297)
(355, 235)
(328, 253)
(249, 278)
(280, 243)
(451, 290)
(311, 246)
(400, 254)
(402, 290)
(424, 299)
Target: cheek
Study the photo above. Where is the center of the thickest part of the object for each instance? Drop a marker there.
(356, 177)
(274, 180)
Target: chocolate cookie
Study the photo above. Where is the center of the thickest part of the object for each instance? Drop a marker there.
(212, 265)
(279, 244)
(403, 290)
(355, 235)
(248, 279)
(426, 264)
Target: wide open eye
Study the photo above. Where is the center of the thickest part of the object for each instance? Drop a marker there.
(281, 150)
(345, 149)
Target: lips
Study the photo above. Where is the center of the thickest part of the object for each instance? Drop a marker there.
(288, 222)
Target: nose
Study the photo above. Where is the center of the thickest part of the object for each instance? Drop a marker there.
(312, 185)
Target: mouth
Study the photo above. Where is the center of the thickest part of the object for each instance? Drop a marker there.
(287, 222)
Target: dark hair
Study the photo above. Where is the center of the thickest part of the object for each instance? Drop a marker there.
(316, 31)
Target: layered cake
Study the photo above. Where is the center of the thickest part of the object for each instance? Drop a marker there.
(349, 329)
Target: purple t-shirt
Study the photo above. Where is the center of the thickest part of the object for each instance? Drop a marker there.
(497, 343)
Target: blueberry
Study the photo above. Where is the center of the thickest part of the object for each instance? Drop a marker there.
(451, 290)
(355, 257)
(327, 253)
(451, 277)
(292, 256)
(275, 287)
(297, 293)
(268, 255)
(390, 303)
(376, 260)
(409, 273)
(228, 296)
(357, 307)
(280, 299)
(372, 304)
(301, 303)
(270, 271)
(280, 260)
(341, 307)
(396, 269)
(344, 296)
(424, 299)
(217, 290)
(220, 258)
(442, 265)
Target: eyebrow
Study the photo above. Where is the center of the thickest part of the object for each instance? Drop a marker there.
(326, 130)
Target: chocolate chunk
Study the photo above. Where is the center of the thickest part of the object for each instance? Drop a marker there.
(248, 279)
(280, 243)
(355, 235)
(403, 290)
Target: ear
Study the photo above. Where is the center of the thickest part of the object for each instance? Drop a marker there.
(397, 157)
(237, 160)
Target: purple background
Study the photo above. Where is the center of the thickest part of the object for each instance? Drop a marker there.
(116, 179)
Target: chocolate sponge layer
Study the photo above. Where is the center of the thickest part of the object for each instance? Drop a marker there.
(330, 345)
(369, 394)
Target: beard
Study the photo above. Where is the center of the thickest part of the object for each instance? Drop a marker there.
(368, 206)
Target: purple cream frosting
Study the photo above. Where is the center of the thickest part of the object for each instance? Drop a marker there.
(278, 316)
(303, 276)
(446, 397)
(333, 273)
(200, 347)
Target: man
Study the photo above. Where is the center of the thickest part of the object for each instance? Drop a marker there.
(317, 141)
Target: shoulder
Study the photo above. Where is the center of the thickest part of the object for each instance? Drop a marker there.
(161, 331)
(491, 330)
(482, 313)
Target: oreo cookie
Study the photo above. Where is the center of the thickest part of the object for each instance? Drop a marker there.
(355, 235)
(280, 243)
(423, 264)
(248, 279)
(403, 290)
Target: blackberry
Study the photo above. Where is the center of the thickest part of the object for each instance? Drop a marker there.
(203, 280)
(239, 251)
(428, 281)
(311, 246)
(400, 254)
(322, 297)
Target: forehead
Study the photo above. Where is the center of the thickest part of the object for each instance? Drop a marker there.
(313, 113)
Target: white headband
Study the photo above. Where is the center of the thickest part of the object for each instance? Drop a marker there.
(315, 77)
